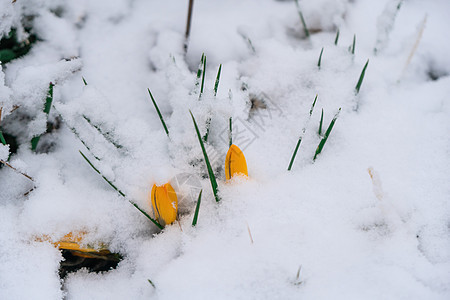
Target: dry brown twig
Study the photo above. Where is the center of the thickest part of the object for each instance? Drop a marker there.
(17, 171)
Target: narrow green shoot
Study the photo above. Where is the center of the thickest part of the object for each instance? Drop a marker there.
(301, 135)
(336, 39)
(248, 41)
(74, 131)
(305, 28)
(295, 152)
(197, 208)
(354, 44)
(230, 132)
(320, 124)
(361, 78)
(2, 138)
(84, 80)
(320, 58)
(149, 281)
(105, 135)
(207, 125)
(326, 135)
(312, 106)
(120, 192)
(47, 106)
(216, 84)
(159, 113)
(212, 177)
(106, 179)
(199, 70)
(203, 76)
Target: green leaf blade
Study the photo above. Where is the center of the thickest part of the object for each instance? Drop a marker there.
(361, 78)
(212, 177)
(326, 135)
(197, 208)
(159, 113)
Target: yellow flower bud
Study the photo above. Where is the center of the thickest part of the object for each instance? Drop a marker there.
(235, 163)
(165, 203)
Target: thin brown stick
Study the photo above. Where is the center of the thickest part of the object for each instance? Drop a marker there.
(188, 25)
(14, 108)
(17, 171)
(249, 233)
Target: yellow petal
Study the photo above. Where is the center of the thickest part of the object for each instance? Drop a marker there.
(73, 241)
(165, 203)
(235, 163)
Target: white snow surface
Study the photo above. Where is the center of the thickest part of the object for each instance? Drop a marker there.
(354, 238)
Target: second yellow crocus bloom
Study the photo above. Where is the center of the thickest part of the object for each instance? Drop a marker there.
(165, 203)
(235, 163)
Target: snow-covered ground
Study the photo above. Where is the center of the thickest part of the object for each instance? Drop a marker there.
(368, 219)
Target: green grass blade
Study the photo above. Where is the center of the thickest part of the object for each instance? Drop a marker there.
(199, 70)
(120, 192)
(216, 84)
(207, 125)
(320, 124)
(203, 76)
(248, 41)
(49, 99)
(336, 38)
(305, 28)
(354, 44)
(152, 284)
(106, 179)
(74, 131)
(147, 215)
(230, 132)
(313, 105)
(301, 136)
(84, 80)
(2, 138)
(326, 135)
(212, 177)
(159, 113)
(197, 208)
(47, 106)
(361, 78)
(295, 153)
(320, 58)
(105, 135)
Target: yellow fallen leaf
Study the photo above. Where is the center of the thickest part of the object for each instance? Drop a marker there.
(165, 203)
(235, 163)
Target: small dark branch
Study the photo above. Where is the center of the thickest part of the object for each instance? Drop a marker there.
(188, 25)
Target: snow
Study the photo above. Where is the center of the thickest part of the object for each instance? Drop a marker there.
(368, 219)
